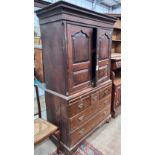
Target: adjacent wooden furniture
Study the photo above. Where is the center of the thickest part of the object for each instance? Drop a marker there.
(42, 128)
(38, 102)
(116, 66)
(76, 55)
(38, 72)
(38, 62)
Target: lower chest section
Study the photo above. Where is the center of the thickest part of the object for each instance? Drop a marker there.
(85, 112)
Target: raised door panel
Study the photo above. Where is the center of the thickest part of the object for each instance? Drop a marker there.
(79, 57)
(103, 55)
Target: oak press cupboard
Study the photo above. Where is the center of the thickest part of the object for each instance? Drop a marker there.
(76, 57)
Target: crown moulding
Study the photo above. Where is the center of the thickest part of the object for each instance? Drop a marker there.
(68, 8)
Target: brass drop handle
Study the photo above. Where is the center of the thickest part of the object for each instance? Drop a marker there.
(80, 106)
(81, 118)
(81, 131)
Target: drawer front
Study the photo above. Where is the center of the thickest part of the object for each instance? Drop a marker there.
(83, 116)
(79, 105)
(104, 92)
(104, 102)
(101, 116)
(80, 118)
(87, 127)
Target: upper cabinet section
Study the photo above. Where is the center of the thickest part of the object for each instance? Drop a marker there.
(76, 44)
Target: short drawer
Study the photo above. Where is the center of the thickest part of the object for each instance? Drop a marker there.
(87, 127)
(104, 92)
(79, 105)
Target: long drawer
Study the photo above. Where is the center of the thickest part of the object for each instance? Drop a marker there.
(89, 125)
(82, 117)
(80, 104)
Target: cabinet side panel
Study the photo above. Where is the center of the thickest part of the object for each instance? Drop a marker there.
(57, 114)
(54, 60)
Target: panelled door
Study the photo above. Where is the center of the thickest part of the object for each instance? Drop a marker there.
(79, 40)
(103, 55)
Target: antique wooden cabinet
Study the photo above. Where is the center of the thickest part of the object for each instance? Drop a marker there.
(76, 56)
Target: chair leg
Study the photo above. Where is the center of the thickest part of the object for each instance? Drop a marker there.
(57, 134)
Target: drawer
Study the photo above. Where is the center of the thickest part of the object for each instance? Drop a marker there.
(87, 127)
(82, 117)
(104, 92)
(104, 101)
(79, 105)
(101, 116)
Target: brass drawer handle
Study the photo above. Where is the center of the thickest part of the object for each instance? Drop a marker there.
(81, 118)
(81, 131)
(80, 106)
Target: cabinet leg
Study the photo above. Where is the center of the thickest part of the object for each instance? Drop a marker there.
(57, 134)
(108, 120)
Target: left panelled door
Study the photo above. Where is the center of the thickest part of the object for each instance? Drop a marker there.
(79, 47)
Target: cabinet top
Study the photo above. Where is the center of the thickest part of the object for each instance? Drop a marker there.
(62, 7)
